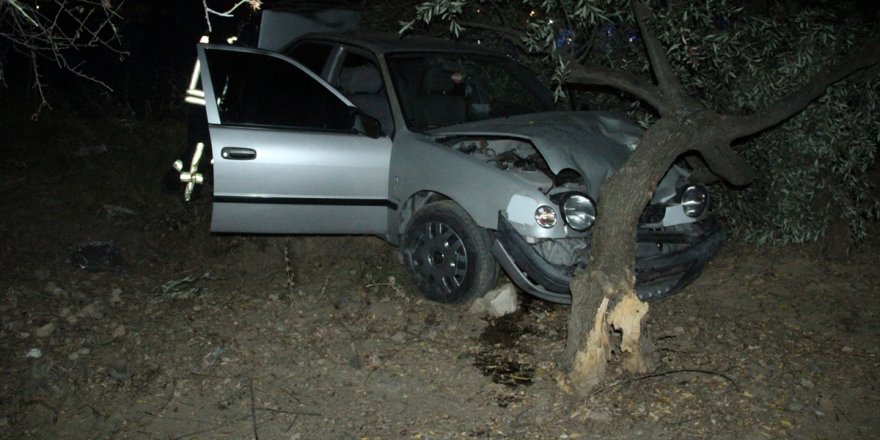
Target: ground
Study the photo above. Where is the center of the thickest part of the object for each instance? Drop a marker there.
(124, 317)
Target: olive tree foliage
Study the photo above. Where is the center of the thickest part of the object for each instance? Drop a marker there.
(810, 172)
(684, 121)
(55, 32)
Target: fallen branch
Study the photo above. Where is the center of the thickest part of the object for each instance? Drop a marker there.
(253, 408)
(678, 371)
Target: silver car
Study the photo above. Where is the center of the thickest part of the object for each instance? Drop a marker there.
(456, 154)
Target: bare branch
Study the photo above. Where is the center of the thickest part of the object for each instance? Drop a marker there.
(254, 4)
(50, 30)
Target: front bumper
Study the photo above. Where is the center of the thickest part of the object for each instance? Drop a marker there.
(656, 275)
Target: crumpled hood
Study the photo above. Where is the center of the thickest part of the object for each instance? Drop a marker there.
(593, 143)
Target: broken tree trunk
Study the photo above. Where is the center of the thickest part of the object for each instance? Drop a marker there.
(606, 290)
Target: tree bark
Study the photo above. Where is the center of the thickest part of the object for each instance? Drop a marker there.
(606, 290)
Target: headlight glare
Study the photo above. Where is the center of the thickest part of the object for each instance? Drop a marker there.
(579, 211)
(694, 200)
(545, 216)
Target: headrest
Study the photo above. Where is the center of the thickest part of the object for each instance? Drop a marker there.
(437, 80)
(361, 79)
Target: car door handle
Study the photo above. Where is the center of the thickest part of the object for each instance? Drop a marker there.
(238, 153)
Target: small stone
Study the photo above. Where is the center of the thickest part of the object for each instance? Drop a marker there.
(807, 384)
(860, 285)
(118, 332)
(50, 287)
(89, 311)
(398, 337)
(678, 331)
(116, 296)
(79, 353)
(72, 319)
(64, 313)
(497, 302)
(35, 353)
(794, 406)
(45, 331)
(847, 349)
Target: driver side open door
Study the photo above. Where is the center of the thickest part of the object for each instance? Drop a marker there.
(290, 152)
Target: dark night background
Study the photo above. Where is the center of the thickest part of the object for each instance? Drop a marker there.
(159, 39)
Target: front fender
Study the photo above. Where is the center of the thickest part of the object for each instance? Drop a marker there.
(418, 164)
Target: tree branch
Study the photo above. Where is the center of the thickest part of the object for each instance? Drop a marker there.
(669, 85)
(604, 76)
(723, 161)
(511, 35)
(797, 100)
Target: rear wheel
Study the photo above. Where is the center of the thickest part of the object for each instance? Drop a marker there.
(447, 255)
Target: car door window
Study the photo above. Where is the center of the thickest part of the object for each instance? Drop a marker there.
(254, 89)
(312, 55)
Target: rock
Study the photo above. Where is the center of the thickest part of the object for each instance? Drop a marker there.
(45, 331)
(118, 332)
(807, 384)
(72, 319)
(116, 296)
(497, 302)
(89, 311)
(794, 406)
(50, 287)
(76, 354)
(35, 353)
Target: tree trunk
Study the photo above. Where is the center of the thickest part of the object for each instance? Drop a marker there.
(603, 296)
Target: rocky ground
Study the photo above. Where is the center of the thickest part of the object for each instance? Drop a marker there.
(170, 332)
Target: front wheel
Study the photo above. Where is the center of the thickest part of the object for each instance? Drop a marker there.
(447, 255)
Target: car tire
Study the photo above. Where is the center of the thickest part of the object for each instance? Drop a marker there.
(447, 255)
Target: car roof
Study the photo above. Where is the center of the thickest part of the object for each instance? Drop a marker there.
(387, 43)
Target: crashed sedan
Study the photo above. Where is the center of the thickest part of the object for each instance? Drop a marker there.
(454, 153)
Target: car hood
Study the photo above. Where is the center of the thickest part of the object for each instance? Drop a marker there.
(593, 143)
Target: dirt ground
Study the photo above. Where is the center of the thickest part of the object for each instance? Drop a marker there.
(176, 333)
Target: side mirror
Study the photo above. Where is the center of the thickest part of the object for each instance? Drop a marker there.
(368, 125)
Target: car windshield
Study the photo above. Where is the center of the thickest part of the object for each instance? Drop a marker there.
(440, 89)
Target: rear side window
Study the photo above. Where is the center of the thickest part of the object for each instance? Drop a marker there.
(263, 90)
(312, 55)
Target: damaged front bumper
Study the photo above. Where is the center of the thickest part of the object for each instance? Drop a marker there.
(677, 259)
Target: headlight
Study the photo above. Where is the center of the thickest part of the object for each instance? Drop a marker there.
(694, 200)
(545, 216)
(579, 211)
